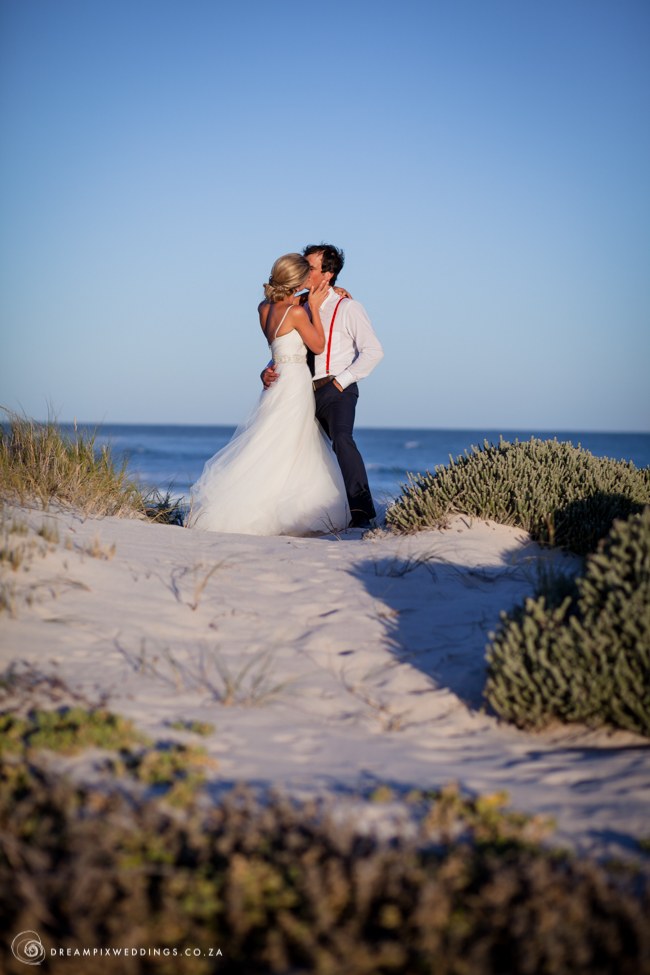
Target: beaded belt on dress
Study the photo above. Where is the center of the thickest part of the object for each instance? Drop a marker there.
(289, 358)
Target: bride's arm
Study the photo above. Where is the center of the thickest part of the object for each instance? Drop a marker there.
(311, 332)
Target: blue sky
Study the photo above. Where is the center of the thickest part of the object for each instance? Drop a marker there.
(483, 163)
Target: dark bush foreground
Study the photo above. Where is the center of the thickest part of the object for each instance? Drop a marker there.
(281, 888)
(582, 655)
(561, 494)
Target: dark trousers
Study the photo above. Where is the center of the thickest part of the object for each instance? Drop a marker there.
(335, 413)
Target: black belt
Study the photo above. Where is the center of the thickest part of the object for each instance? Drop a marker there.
(317, 383)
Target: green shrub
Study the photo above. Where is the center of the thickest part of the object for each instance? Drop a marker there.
(285, 888)
(582, 656)
(561, 494)
(175, 770)
(67, 730)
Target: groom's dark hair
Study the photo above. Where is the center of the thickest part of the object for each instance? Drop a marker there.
(333, 258)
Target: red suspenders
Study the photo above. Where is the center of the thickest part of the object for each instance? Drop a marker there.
(329, 340)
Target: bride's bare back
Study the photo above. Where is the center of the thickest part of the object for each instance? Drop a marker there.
(289, 315)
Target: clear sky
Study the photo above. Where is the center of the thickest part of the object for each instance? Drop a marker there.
(485, 165)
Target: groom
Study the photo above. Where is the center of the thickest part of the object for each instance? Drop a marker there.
(352, 351)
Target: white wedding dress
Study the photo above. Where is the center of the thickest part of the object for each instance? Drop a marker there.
(278, 475)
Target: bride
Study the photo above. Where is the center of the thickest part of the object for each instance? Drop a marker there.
(278, 475)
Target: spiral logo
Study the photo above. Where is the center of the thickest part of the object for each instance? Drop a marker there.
(28, 948)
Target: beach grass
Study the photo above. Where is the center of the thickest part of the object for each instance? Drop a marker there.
(40, 464)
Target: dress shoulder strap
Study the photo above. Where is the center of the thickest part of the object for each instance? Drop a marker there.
(281, 321)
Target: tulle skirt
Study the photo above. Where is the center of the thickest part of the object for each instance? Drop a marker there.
(278, 475)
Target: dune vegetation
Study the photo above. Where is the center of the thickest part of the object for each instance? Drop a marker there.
(141, 855)
(277, 886)
(562, 495)
(579, 649)
(40, 464)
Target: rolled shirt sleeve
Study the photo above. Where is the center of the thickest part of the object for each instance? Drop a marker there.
(369, 351)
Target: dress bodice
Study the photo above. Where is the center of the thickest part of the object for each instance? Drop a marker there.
(288, 348)
(279, 474)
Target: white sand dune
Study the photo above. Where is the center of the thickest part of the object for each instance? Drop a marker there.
(345, 662)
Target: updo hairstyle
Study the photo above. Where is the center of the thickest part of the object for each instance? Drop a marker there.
(287, 275)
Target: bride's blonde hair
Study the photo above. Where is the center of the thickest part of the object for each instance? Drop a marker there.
(287, 274)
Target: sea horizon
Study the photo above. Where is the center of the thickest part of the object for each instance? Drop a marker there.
(170, 456)
(535, 431)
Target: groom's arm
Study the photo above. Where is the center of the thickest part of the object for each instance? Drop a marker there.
(369, 348)
(268, 375)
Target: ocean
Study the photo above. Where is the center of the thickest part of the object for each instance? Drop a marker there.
(172, 457)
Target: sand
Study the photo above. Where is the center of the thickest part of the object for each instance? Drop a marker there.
(328, 666)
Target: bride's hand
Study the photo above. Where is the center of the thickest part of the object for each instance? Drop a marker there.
(318, 295)
(341, 292)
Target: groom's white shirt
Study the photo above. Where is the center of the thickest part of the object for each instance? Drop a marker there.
(355, 349)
